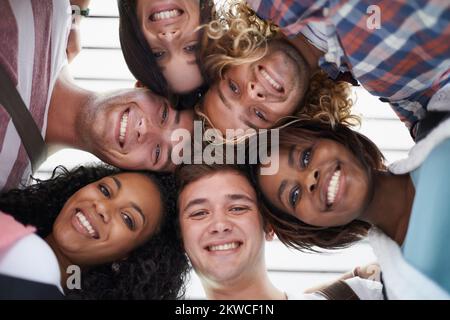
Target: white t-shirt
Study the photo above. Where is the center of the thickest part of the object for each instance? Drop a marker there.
(363, 288)
(401, 280)
(31, 258)
(33, 46)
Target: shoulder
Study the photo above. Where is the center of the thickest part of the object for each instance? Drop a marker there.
(401, 280)
(32, 259)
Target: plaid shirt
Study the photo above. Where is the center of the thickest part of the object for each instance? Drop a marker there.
(405, 61)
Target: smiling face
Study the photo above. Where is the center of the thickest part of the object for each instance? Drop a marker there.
(132, 129)
(257, 95)
(321, 183)
(222, 229)
(170, 28)
(107, 219)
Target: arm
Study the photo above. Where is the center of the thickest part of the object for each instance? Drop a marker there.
(74, 43)
(371, 271)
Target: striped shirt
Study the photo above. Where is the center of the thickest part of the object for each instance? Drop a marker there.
(33, 41)
(398, 50)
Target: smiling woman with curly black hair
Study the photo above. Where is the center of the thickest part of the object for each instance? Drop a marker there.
(117, 226)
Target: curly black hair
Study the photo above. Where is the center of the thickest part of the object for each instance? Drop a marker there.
(156, 270)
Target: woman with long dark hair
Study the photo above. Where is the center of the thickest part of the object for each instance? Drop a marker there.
(332, 187)
(117, 227)
(159, 41)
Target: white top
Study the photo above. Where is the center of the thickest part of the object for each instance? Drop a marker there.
(401, 280)
(364, 289)
(31, 258)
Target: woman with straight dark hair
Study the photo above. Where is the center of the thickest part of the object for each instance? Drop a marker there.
(159, 41)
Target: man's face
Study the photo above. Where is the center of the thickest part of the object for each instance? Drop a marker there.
(259, 94)
(221, 227)
(132, 129)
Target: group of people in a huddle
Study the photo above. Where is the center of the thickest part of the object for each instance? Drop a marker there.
(135, 226)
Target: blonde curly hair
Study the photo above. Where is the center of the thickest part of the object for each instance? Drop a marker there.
(238, 36)
(328, 101)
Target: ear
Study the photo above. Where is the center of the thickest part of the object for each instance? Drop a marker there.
(139, 84)
(269, 233)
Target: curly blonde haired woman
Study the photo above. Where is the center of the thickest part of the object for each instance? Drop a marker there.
(259, 80)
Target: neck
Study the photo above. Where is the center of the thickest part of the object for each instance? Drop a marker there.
(309, 52)
(63, 261)
(256, 286)
(391, 204)
(67, 103)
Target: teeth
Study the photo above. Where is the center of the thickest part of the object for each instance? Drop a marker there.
(165, 14)
(333, 187)
(223, 247)
(85, 223)
(272, 82)
(123, 127)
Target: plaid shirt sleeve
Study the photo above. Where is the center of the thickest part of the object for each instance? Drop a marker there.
(290, 15)
(404, 61)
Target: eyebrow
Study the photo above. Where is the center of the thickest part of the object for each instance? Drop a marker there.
(281, 190)
(118, 183)
(239, 196)
(138, 209)
(134, 205)
(291, 159)
(195, 202)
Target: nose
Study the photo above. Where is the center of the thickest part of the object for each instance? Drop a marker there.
(312, 180)
(141, 129)
(220, 224)
(102, 210)
(169, 35)
(256, 91)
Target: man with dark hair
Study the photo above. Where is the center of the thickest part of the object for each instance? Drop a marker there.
(128, 128)
(224, 237)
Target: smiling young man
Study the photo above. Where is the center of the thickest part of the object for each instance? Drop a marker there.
(260, 80)
(224, 237)
(398, 53)
(129, 128)
(257, 94)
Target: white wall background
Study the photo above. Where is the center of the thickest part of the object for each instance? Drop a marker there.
(101, 67)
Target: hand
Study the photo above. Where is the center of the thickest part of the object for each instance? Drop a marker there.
(370, 272)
